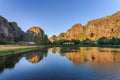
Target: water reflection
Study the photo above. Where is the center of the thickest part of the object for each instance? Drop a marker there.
(9, 62)
(35, 57)
(89, 54)
(92, 64)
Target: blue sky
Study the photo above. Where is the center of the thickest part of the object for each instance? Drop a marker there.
(55, 16)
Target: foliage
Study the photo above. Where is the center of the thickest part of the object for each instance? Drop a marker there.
(103, 41)
(106, 41)
(46, 40)
(88, 42)
(3, 41)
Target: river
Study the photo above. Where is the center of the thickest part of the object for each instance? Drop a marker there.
(66, 63)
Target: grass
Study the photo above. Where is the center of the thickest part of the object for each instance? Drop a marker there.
(13, 47)
(16, 49)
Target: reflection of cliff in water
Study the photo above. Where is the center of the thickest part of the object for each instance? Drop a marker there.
(64, 49)
(55, 50)
(94, 55)
(37, 56)
(9, 61)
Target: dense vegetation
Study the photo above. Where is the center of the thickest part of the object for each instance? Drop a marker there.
(88, 42)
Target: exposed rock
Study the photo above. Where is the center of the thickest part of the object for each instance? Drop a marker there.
(35, 34)
(53, 38)
(10, 30)
(75, 30)
(108, 27)
(105, 27)
(70, 34)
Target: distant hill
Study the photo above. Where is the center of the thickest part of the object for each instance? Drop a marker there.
(108, 27)
(36, 34)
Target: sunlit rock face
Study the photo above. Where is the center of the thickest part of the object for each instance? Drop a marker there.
(104, 27)
(10, 30)
(35, 34)
(71, 33)
(108, 27)
(53, 38)
(36, 30)
(74, 31)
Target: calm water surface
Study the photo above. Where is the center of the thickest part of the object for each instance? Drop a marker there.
(85, 63)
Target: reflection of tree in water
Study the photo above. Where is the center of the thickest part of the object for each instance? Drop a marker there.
(37, 56)
(69, 49)
(93, 55)
(62, 50)
(9, 61)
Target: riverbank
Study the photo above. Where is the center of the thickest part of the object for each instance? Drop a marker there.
(16, 49)
(112, 46)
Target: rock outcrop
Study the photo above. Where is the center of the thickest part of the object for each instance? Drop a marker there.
(36, 34)
(10, 30)
(105, 27)
(76, 29)
(108, 27)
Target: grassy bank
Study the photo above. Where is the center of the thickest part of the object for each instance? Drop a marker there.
(13, 47)
(16, 49)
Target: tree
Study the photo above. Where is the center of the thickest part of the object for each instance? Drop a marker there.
(103, 41)
(88, 42)
(77, 42)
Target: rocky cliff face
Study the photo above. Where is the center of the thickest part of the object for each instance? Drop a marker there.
(108, 27)
(35, 34)
(105, 27)
(75, 30)
(69, 34)
(10, 30)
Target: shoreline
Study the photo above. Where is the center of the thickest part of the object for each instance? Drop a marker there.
(37, 47)
(19, 50)
(107, 46)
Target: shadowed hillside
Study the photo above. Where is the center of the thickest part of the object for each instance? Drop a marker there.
(10, 30)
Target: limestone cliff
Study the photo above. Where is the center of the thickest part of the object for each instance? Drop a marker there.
(36, 34)
(10, 30)
(108, 27)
